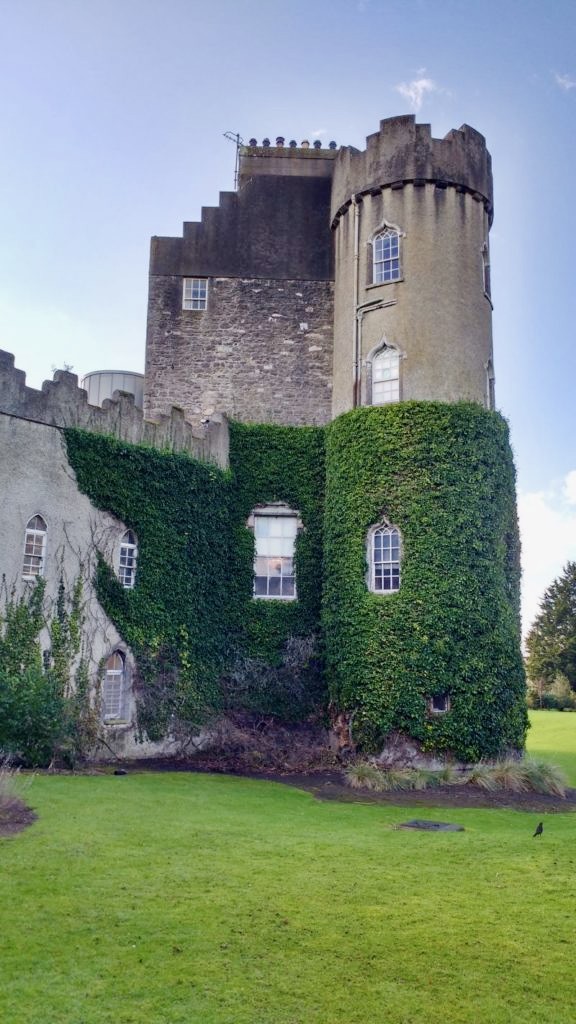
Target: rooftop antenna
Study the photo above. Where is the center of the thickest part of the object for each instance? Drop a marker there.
(235, 138)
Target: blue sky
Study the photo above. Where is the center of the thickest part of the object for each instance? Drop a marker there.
(112, 115)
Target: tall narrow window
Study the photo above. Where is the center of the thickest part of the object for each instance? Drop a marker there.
(385, 554)
(195, 293)
(486, 269)
(114, 688)
(386, 377)
(275, 536)
(490, 386)
(128, 558)
(386, 256)
(34, 548)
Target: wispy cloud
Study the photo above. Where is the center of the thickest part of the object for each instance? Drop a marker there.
(565, 82)
(548, 532)
(416, 90)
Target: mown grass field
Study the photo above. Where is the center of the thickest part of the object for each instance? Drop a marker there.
(553, 738)
(161, 899)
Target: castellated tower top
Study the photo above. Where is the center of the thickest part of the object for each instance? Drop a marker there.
(403, 152)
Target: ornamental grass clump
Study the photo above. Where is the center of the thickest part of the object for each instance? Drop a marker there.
(545, 778)
(11, 788)
(365, 775)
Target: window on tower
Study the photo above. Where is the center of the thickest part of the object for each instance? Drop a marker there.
(384, 555)
(195, 293)
(386, 256)
(385, 376)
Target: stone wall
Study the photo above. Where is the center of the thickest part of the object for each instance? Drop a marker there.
(37, 479)
(61, 403)
(261, 351)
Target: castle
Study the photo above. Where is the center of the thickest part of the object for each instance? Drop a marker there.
(320, 345)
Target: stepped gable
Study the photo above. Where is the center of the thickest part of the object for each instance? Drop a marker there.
(61, 403)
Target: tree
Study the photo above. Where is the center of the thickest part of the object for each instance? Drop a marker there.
(551, 642)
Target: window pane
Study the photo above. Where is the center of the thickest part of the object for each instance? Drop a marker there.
(260, 585)
(274, 586)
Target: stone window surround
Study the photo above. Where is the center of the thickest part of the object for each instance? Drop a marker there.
(384, 343)
(34, 560)
(111, 674)
(433, 702)
(389, 528)
(392, 229)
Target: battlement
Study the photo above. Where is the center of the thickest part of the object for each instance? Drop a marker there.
(61, 403)
(403, 152)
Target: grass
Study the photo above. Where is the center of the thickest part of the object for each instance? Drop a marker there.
(553, 738)
(164, 899)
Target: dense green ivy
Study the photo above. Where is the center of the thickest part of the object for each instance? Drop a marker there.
(192, 619)
(443, 474)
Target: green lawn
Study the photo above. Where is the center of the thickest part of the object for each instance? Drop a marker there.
(160, 899)
(553, 738)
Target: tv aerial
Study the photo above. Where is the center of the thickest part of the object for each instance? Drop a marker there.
(237, 140)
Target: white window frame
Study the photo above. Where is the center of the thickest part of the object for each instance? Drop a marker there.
(275, 562)
(390, 567)
(195, 293)
(486, 283)
(390, 370)
(114, 688)
(386, 256)
(35, 537)
(490, 386)
(127, 560)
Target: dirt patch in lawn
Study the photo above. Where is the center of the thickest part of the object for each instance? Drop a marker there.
(14, 817)
(329, 785)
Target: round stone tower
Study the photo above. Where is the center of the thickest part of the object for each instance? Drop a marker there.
(412, 319)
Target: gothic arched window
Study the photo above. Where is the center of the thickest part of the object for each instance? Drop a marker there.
(386, 256)
(385, 376)
(114, 688)
(34, 548)
(385, 552)
(128, 559)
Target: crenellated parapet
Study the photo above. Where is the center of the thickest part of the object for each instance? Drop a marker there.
(404, 153)
(61, 403)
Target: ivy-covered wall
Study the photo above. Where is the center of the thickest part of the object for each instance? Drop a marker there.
(192, 618)
(443, 474)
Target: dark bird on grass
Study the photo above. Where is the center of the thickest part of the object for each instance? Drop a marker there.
(539, 829)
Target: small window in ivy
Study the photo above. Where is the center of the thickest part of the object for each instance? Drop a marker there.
(195, 293)
(385, 555)
(34, 548)
(128, 558)
(114, 688)
(275, 532)
(439, 704)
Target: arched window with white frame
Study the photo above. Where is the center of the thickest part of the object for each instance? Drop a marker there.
(128, 559)
(114, 688)
(386, 256)
(34, 548)
(385, 376)
(385, 554)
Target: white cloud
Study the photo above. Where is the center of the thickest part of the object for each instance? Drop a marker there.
(565, 82)
(548, 532)
(416, 90)
(570, 487)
